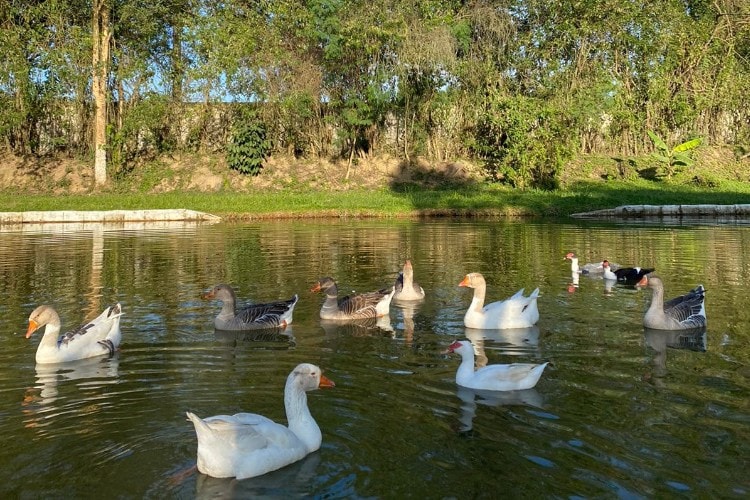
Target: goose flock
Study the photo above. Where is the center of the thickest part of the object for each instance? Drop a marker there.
(247, 445)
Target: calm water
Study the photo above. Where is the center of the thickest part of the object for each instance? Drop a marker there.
(618, 413)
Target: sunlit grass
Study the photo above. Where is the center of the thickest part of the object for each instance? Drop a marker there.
(464, 200)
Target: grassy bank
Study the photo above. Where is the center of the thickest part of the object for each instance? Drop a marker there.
(477, 199)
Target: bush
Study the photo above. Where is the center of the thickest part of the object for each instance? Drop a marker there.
(249, 146)
(522, 142)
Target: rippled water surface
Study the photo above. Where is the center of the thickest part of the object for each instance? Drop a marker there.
(619, 412)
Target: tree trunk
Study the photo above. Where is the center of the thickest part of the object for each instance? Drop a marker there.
(177, 78)
(101, 39)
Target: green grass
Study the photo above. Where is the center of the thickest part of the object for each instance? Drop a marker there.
(401, 201)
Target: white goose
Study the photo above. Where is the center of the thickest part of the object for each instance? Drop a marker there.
(101, 336)
(590, 268)
(680, 313)
(247, 445)
(513, 377)
(517, 311)
(406, 288)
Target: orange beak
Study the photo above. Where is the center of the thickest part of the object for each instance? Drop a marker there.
(315, 287)
(465, 281)
(33, 326)
(208, 295)
(643, 282)
(326, 382)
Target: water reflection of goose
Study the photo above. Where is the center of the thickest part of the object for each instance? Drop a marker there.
(49, 375)
(471, 398)
(574, 282)
(360, 327)
(292, 481)
(608, 285)
(513, 341)
(661, 340)
(274, 336)
(408, 311)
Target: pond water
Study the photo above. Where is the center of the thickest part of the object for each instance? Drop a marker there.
(619, 412)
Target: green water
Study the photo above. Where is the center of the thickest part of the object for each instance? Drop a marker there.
(618, 413)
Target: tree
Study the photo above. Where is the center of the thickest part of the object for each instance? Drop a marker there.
(101, 38)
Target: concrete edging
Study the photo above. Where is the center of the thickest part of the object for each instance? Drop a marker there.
(636, 211)
(104, 216)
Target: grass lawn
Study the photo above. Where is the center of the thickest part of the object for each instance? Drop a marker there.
(480, 199)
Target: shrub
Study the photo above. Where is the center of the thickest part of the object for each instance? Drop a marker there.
(523, 142)
(249, 146)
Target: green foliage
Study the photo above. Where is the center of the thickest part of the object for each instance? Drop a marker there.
(672, 160)
(249, 146)
(145, 133)
(409, 78)
(522, 141)
(296, 119)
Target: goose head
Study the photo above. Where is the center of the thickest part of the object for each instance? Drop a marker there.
(650, 280)
(460, 347)
(220, 292)
(41, 316)
(473, 280)
(324, 285)
(309, 377)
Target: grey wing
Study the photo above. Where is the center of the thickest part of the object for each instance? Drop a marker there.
(688, 308)
(268, 314)
(78, 332)
(363, 304)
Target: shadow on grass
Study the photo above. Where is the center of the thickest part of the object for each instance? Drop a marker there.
(451, 190)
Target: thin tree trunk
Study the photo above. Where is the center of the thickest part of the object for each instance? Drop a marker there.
(101, 40)
(349, 163)
(177, 77)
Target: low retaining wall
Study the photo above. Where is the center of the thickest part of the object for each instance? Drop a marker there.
(637, 211)
(104, 216)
